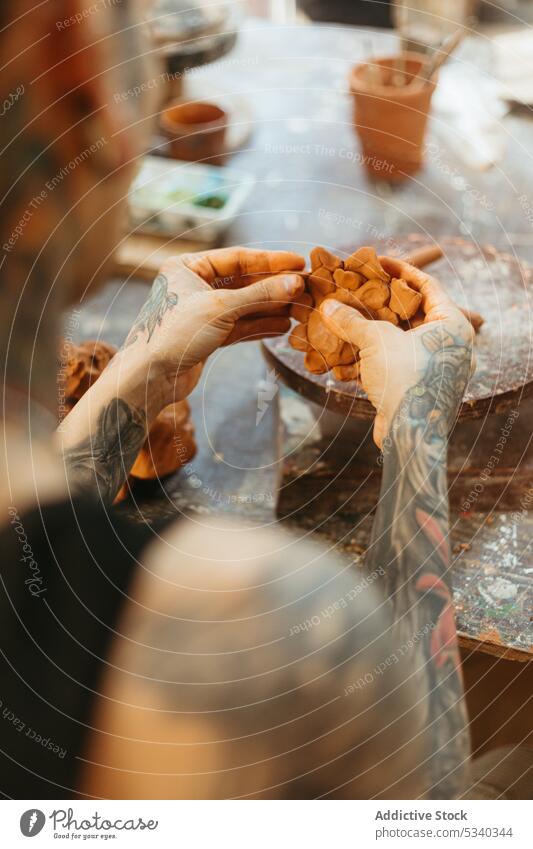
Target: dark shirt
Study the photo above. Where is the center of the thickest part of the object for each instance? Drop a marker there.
(65, 572)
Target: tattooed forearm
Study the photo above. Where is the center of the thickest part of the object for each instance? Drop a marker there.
(153, 311)
(410, 540)
(104, 459)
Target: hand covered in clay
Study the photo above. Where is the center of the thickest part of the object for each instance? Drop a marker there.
(202, 301)
(393, 360)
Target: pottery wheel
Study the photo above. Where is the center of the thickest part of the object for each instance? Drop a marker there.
(479, 278)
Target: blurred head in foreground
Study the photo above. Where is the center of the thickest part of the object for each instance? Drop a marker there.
(253, 665)
(74, 130)
(74, 135)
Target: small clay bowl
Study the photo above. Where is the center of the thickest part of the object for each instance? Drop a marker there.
(196, 130)
(391, 120)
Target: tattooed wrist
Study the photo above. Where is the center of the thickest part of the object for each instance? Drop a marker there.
(410, 542)
(104, 459)
(435, 399)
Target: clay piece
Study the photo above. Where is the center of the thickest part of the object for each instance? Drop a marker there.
(322, 258)
(321, 280)
(404, 301)
(365, 262)
(170, 442)
(348, 372)
(84, 365)
(361, 282)
(315, 363)
(348, 279)
(386, 314)
(320, 337)
(298, 338)
(374, 294)
(302, 308)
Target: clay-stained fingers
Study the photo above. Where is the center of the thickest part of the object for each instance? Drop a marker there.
(435, 302)
(252, 329)
(400, 269)
(199, 264)
(349, 324)
(230, 268)
(181, 277)
(476, 320)
(302, 307)
(259, 297)
(266, 263)
(273, 309)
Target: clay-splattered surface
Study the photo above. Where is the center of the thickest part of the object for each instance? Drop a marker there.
(331, 487)
(479, 278)
(492, 587)
(493, 577)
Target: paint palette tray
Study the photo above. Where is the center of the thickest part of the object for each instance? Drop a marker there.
(186, 200)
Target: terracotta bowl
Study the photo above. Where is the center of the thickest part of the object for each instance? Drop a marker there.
(391, 120)
(196, 130)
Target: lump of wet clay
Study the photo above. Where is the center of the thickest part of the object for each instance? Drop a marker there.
(365, 262)
(348, 279)
(322, 258)
(170, 442)
(321, 282)
(361, 282)
(347, 372)
(374, 294)
(404, 301)
(298, 338)
(315, 362)
(84, 364)
(386, 314)
(320, 338)
(302, 308)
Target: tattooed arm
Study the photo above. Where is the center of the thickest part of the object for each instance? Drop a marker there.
(416, 380)
(410, 540)
(197, 303)
(104, 458)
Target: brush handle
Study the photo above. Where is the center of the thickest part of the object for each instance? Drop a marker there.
(442, 53)
(424, 256)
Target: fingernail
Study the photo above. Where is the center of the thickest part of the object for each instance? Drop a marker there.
(291, 283)
(330, 307)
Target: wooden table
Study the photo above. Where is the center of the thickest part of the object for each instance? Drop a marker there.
(311, 189)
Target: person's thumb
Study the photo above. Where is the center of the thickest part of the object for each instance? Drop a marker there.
(272, 291)
(348, 323)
